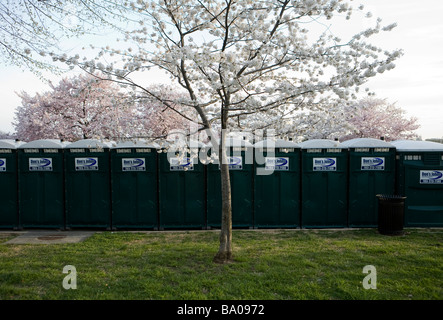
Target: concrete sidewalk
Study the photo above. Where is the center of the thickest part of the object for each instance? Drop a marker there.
(46, 236)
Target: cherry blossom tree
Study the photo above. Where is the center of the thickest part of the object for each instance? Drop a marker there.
(376, 118)
(77, 108)
(242, 61)
(366, 118)
(320, 125)
(323, 122)
(156, 119)
(84, 107)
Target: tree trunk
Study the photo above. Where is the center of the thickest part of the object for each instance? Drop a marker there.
(224, 254)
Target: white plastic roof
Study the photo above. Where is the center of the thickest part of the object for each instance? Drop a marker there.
(8, 144)
(135, 144)
(412, 145)
(88, 143)
(43, 143)
(19, 143)
(366, 143)
(278, 143)
(320, 144)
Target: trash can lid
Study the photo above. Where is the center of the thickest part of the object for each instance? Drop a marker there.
(43, 143)
(277, 143)
(89, 143)
(137, 143)
(412, 145)
(366, 143)
(390, 197)
(320, 144)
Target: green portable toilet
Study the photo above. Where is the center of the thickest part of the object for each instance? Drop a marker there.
(8, 185)
(40, 180)
(181, 188)
(134, 177)
(371, 172)
(88, 184)
(277, 186)
(420, 180)
(241, 171)
(324, 184)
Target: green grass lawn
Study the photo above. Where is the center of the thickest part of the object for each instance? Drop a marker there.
(269, 265)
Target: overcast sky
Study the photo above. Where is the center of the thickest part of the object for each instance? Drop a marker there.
(416, 84)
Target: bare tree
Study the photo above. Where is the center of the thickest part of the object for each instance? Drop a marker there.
(31, 31)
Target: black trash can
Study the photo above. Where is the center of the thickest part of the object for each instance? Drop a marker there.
(391, 213)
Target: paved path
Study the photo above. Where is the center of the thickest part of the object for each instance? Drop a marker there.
(47, 236)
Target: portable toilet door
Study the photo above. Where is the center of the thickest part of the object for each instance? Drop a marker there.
(182, 198)
(241, 172)
(277, 184)
(420, 180)
(88, 184)
(134, 178)
(371, 172)
(41, 185)
(8, 185)
(324, 184)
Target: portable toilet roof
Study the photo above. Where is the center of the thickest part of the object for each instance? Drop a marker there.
(135, 144)
(277, 143)
(43, 143)
(7, 144)
(65, 143)
(18, 143)
(320, 144)
(412, 145)
(89, 143)
(366, 143)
